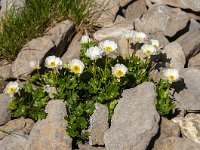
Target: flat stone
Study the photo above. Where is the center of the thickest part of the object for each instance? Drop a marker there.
(52, 44)
(128, 129)
(190, 126)
(73, 51)
(176, 55)
(136, 9)
(5, 113)
(50, 133)
(190, 43)
(194, 4)
(176, 143)
(161, 18)
(98, 124)
(15, 141)
(194, 61)
(188, 91)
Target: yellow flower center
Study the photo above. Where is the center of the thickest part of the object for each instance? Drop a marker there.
(76, 69)
(119, 73)
(10, 90)
(171, 77)
(52, 64)
(147, 51)
(108, 48)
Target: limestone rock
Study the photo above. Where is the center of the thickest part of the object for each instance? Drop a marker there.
(163, 18)
(190, 126)
(175, 53)
(16, 125)
(6, 71)
(190, 43)
(73, 51)
(5, 114)
(194, 61)
(3, 84)
(88, 147)
(50, 133)
(194, 4)
(15, 141)
(135, 119)
(113, 30)
(187, 92)
(51, 44)
(136, 10)
(98, 124)
(123, 3)
(7, 4)
(176, 143)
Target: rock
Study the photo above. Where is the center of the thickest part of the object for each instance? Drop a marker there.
(29, 123)
(190, 43)
(73, 51)
(194, 61)
(5, 113)
(119, 19)
(136, 9)
(194, 24)
(113, 30)
(15, 141)
(98, 124)
(14, 126)
(6, 71)
(188, 93)
(123, 3)
(161, 38)
(176, 143)
(190, 126)
(105, 12)
(128, 129)
(50, 133)
(194, 4)
(176, 55)
(51, 44)
(7, 4)
(163, 18)
(88, 147)
(3, 84)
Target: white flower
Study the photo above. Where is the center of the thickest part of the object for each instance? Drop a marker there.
(108, 46)
(155, 43)
(94, 53)
(119, 70)
(12, 88)
(85, 39)
(53, 62)
(35, 64)
(148, 49)
(128, 34)
(76, 66)
(171, 74)
(140, 37)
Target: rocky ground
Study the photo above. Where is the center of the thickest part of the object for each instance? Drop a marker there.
(135, 125)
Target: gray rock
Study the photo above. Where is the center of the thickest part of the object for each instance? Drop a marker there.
(123, 3)
(15, 126)
(88, 147)
(113, 30)
(6, 71)
(176, 55)
(190, 43)
(3, 84)
(73, 51)
(136, 9)
(163, 18)
(188, 93)
(105, 12)
(176, 143)
(7, 4)
(52, 44)
(119, 19)
(190, 126)
(98, 124)
(50, 133)
(194, 24)
(194, 4)
(5, 113)
(15, 141)
(135, 119)
(194, 61)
